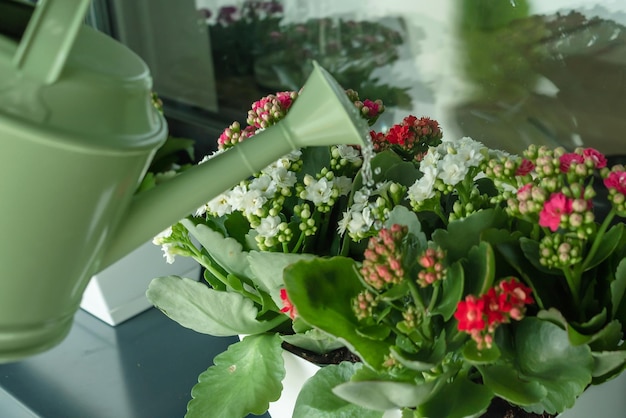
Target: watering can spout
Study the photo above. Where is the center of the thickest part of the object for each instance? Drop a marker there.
(321, 116)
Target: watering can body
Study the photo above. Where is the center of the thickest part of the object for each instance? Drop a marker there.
(77, 133)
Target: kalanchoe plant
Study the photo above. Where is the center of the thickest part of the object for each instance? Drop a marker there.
(459, 276)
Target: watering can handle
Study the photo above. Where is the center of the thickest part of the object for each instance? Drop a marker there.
(48, 38)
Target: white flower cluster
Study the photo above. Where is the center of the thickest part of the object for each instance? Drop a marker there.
(368, 211)
(261, 198)
(445, 166)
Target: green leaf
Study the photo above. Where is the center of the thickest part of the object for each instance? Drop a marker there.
(244, 379)
(424, 359)
(322, 291)
(196, 306)
(317, 400)
(474, 355)
(267, 270)
(506, 382)
(480, 267)
(608, 244)
(605, 338)
(227, 252)
(463, 234)
(452, 291)
(608, 362)
(618, 287)
(531, 251)
(459, 399)
(382, 395)
(545, 355)
(313, 340)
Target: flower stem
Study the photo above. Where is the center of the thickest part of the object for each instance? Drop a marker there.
(296, 248)
(573, 282)
(596, 242)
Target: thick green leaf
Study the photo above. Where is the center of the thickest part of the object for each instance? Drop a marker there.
(506, 382)
(606, 338)
(425, 359)
(227, 252)
(474, 355)
(463, 234)
(545, 355)
(608, 362)
(459, 399)
(618, 288)
(244, 379)
(383, 395)
(317, 400)
(609, 242)
(322, 291)
(313, 340)
(452, 291)
(480, 267)
(267, 270)
(196, 306)
(531, 251)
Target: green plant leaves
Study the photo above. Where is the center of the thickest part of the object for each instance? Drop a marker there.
(459, 399)
(227, 252)
(545, 355)
(452, 291)
(196, 306)
(607, 246)
(267, 270)
(618, 289)
(506, 382)
(463, 234)
(317, 400)
(244, 379)
(322, 290)
(480, 268)
(313, 340)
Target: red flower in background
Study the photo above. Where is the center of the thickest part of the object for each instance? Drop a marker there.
(288, 307)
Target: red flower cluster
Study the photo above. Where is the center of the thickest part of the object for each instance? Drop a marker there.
(288, 307)
(411, 137)
(480, 317)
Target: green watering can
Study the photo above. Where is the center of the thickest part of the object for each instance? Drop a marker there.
(77, 133)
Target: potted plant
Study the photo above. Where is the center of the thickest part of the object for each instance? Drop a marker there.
(440, 279)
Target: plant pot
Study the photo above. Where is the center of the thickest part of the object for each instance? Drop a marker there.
(118, 292)
(606, 400)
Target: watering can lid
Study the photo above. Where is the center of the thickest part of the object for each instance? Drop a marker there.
(62, 80)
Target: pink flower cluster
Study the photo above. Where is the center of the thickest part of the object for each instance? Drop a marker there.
(480, 316)
(270, 109)
(616, 180)
(431, 262)
(233, 135)
(382, 265)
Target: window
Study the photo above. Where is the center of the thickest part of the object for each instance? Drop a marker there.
(506, 72)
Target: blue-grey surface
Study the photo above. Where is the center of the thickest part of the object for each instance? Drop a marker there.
(143, 368)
